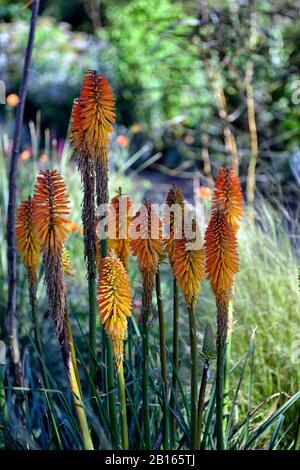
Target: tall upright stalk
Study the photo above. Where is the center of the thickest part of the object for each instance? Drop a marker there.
(221, 349)
(163, 359)
(102, 198)
(123, 412)
(92, 329)
(11, 212)
(194, 376)
(36, 326)
(227, 366)
(175, 357)
(145, 379)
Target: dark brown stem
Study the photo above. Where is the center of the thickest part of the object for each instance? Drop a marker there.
(11, 212)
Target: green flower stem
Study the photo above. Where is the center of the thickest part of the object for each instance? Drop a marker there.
(227, 367)
(145, 378)
(221, 348)
(175, 361)
(122, 397)
(92, 329)
(163, 358)
(194, 376)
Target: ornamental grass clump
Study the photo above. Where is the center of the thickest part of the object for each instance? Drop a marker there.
(51, 209)
(146, 244)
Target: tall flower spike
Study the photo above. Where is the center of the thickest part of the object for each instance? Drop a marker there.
(97, 113)
(121, 218)
(221, 253)
(114, 302)
(228, 194)
(174, 199)
(52, 204)
(76, 129)
(28, 242)
(188, 265)
(146, 243)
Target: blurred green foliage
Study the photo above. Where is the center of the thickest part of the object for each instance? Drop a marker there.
(167, 60)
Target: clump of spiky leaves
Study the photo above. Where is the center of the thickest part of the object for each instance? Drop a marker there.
(228, 195)
(27, 237)
(114, 302)
(120, 218)
(146, 244)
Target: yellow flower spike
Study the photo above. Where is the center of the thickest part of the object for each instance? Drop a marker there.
(188, 266)
(114, 302)
(28, 242)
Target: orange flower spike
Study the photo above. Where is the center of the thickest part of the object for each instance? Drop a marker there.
(143, 246)
(97, 112)
(121, 246)
(27, 237)
(174, 196)
(76, 128)
(228, 194)
(114, 302)
(52, 204)
(221, 252)
(188, 268)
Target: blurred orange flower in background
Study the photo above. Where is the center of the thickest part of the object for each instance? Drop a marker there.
(136, 127)
(25, 155)
(43, 157)
(12, 100)
(122, 140)
(204, 193)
